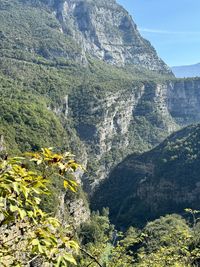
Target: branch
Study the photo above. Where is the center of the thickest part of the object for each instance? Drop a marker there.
(89, 263)
(92, 257)
(34, 258)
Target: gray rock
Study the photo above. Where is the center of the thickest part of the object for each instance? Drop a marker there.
(134, 119)
(105, 30)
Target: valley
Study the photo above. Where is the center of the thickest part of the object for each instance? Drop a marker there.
(76, 75)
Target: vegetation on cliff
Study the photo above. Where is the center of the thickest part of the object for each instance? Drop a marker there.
(47, 87)
(161, 181)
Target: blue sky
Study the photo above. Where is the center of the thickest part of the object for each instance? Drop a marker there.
(172, 26)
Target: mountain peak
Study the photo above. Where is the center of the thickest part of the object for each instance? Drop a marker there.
(104, 30)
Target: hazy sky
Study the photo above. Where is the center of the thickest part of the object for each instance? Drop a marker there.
(172, 26)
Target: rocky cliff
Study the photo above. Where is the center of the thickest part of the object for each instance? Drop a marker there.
(104, 29)
(164, 180)
(59, 54)
(115, 124)
(183, 100)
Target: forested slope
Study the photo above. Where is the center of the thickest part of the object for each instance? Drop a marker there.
(162, 181)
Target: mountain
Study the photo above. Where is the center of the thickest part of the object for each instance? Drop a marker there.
(161, 181)
(61, 84)
(49, 64)
(77, 75)
(187, 71)
(103, 29)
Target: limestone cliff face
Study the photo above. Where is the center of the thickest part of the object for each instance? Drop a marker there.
(184, 101)
(113, 121)
(115, 124)
(105, 30)
(72, 209)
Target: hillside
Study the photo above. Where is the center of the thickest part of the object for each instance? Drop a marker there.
(77, 76)
(187, 71)
(60, 88)
(162, 181)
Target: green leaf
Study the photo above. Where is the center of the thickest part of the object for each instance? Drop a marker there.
(16, 187)
(69, 257)
(59, 260)
(13, 208)
(35, 242)
(25, 191)
(22, 213)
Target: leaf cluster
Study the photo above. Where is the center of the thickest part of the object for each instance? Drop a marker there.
(27, 232)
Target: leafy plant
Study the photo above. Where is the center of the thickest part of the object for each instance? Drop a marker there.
(27, 232)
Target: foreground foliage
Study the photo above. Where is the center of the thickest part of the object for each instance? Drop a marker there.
(27, 232)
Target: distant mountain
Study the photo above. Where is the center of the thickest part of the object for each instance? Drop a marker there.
(161, 181)
(187, 71)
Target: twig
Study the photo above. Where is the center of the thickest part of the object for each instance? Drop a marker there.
(34, 258)
(92, 257)
(89, 263)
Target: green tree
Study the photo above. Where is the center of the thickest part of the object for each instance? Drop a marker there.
(122, 254)
(95, 237)
(166, 243)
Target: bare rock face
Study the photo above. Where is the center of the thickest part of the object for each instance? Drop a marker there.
(184, 101)
(113, 125)
(73, 210)
(106, 31)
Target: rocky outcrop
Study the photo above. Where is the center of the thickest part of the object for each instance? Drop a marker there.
(72, 208)
(106, 125)
(105, 30)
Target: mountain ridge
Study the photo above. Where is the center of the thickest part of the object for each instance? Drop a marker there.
(187, 70)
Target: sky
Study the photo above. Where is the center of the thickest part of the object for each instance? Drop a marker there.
(172, 27)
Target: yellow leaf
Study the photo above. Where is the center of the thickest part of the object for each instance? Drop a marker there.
(73, 189)
(69, 257)
(22, 213)
(66, 184)
(13, 208)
